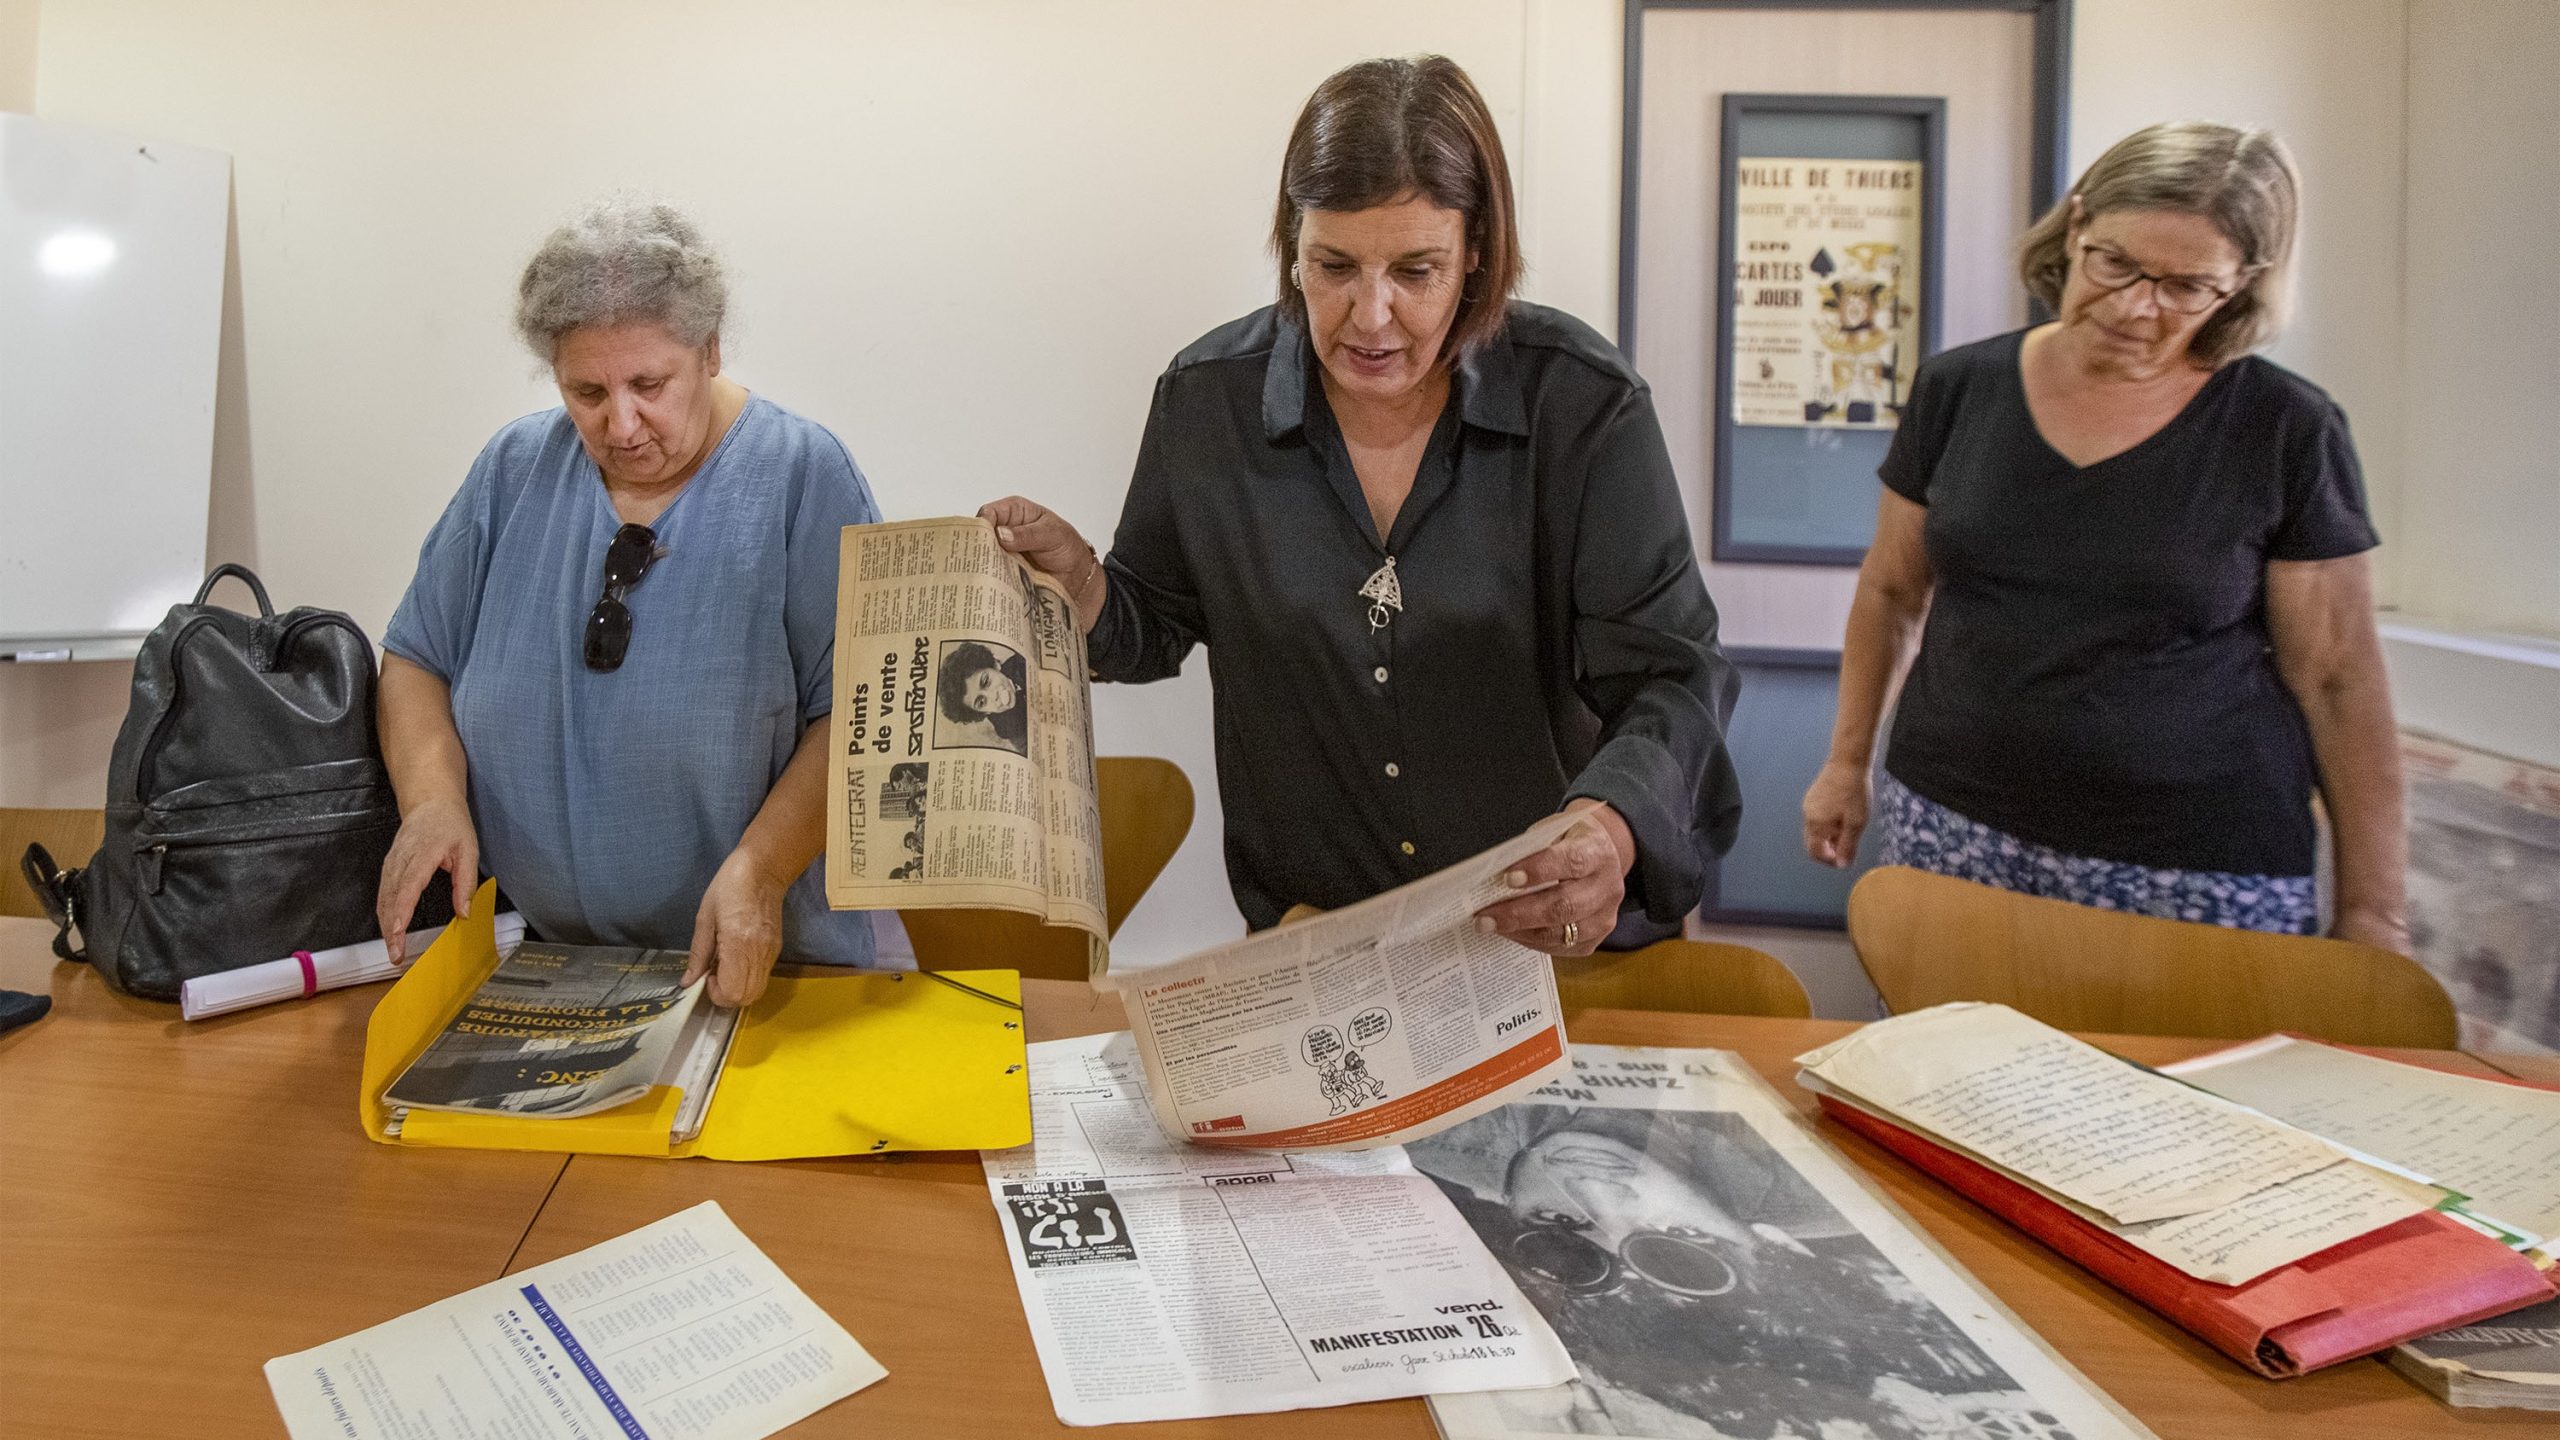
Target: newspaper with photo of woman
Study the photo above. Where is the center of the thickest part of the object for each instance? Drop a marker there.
(962, 764)
(1716, 1271)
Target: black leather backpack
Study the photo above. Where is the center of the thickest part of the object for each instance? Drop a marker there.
(248, 810)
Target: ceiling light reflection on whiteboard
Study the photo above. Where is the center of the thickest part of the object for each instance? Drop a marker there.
(76, 254)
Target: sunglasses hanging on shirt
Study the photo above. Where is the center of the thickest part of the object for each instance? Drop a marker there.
(628, 558)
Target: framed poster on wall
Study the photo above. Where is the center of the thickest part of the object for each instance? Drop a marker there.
(1829, 233)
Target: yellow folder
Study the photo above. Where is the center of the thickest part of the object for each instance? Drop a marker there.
(844, 1063)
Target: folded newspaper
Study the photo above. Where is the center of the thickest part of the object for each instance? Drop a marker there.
(559, 1031)
(1163, 1281)
(961, 773)
(1370, 1025)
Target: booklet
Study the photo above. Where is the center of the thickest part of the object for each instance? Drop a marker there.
(560, 1031)
(1165, 1281)
(2510, 1362)
(681, 1330)
(960, 770)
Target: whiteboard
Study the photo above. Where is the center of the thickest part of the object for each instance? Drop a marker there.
(111, 255)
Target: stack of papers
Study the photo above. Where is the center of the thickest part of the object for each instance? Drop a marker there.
(2213, 1188)
(2494, 1143)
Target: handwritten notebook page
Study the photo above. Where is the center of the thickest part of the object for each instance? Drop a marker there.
(2496, 1143)
(2128, 1144)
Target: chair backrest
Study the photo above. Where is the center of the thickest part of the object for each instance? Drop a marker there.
(1694, 977)
(1146, 806)
(1926, 939)
(69, 836)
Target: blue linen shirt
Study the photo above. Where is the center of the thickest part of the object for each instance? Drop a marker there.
(605, 802)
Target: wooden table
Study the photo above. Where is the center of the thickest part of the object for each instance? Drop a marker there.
(181, 1208)
(181, 1203)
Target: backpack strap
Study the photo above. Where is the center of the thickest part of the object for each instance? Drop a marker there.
(58, 891)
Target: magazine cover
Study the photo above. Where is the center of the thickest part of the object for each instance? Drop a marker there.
(559, 1030)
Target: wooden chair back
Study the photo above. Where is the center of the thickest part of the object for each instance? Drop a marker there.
(69, 836)
(1691, 977)
(1146, 806)
(1926, 939)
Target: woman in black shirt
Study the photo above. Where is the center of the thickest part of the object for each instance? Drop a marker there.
(1432, 540)
(2139, 549)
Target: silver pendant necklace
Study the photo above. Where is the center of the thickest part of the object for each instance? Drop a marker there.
(1383, 594)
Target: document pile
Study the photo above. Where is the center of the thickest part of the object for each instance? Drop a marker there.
(681, 1330)
(1165, 1281)
(2284, 1249)
(1715, 1269)
(2495, 1143)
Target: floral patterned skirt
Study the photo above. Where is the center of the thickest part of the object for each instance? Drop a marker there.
(1926, 835)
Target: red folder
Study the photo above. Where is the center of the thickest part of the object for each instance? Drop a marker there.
(2410, 1278)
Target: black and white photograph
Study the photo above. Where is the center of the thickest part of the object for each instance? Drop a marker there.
(1706, 1289)
(902, 799)
(981, 701)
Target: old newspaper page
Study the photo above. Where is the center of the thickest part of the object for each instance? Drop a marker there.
(961, 773)
(1715, 1270)
(1371, 1025)
(1164, 1281)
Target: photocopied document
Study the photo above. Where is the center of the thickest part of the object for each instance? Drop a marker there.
(1167, 1281)
(681, 1330)
(1369, 1025)
(2496, 1144)
(2220, 1192)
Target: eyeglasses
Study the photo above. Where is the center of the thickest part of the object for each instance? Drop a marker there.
(2112, 269)
(609, 624)
(1680, 1263)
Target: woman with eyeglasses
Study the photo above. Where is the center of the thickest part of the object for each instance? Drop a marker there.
(2139, 549)
(609, 681)
(1431, 539)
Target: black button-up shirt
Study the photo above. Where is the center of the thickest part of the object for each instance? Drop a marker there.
(1556, 639)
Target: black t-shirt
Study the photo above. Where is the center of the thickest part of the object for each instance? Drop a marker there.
(2095, 675)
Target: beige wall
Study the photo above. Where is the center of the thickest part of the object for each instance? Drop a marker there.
(2480, 498)
(968, 236)
(18, 55)
(2325, 75)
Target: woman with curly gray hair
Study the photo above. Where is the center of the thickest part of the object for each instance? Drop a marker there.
(639, 763)
(2140, 552)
